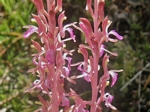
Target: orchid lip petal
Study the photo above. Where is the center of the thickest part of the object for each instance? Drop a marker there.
(87, 77)
(30, 31)
(80, 67)
(67, 71)
(112, 53)
(70, 30)
(101, 50)
(114, 77)
(113, 32)
(108, 100)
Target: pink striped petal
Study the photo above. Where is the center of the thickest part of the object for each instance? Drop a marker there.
(87, 77)
(32, 29)
(108, 100)
(113, 32)
(101, 50)
(70, 30)
(114, 77)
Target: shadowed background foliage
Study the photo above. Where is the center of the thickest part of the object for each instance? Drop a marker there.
(131, 18)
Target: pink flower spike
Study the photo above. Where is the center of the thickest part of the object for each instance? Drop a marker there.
(113, 32)
(114, 77)
(32, 29)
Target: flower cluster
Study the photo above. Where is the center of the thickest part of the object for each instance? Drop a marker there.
(95, 39)
(53, 62)
(52, 57)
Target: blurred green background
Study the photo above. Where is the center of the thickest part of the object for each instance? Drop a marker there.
(131, 18)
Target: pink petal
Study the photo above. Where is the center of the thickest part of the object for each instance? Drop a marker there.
(108, 100)
(87, 25)
(88, 4)
(65, 101)
(67, 71)
(50, 56)
(69, 62)
(104, 26)
(39, 5)
(32, 29)
(61, 18)
(114, 77)
(80, 67)
(105, 63)
(47, 84)
(44, 103)
(37, 45)
(89, 8)
(101, 50)
(101, 10)
(86, 33)
(59, 5)
(70, 30)
(87, 77)
(85, 55)
(52, 21)
(113, 32)
(41, 26)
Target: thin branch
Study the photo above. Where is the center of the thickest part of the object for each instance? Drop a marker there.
(132, 79)
(4, 75)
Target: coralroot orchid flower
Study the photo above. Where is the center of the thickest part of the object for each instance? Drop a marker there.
(108, 99)
(51, 59)
(53, 62)
(96, 38)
